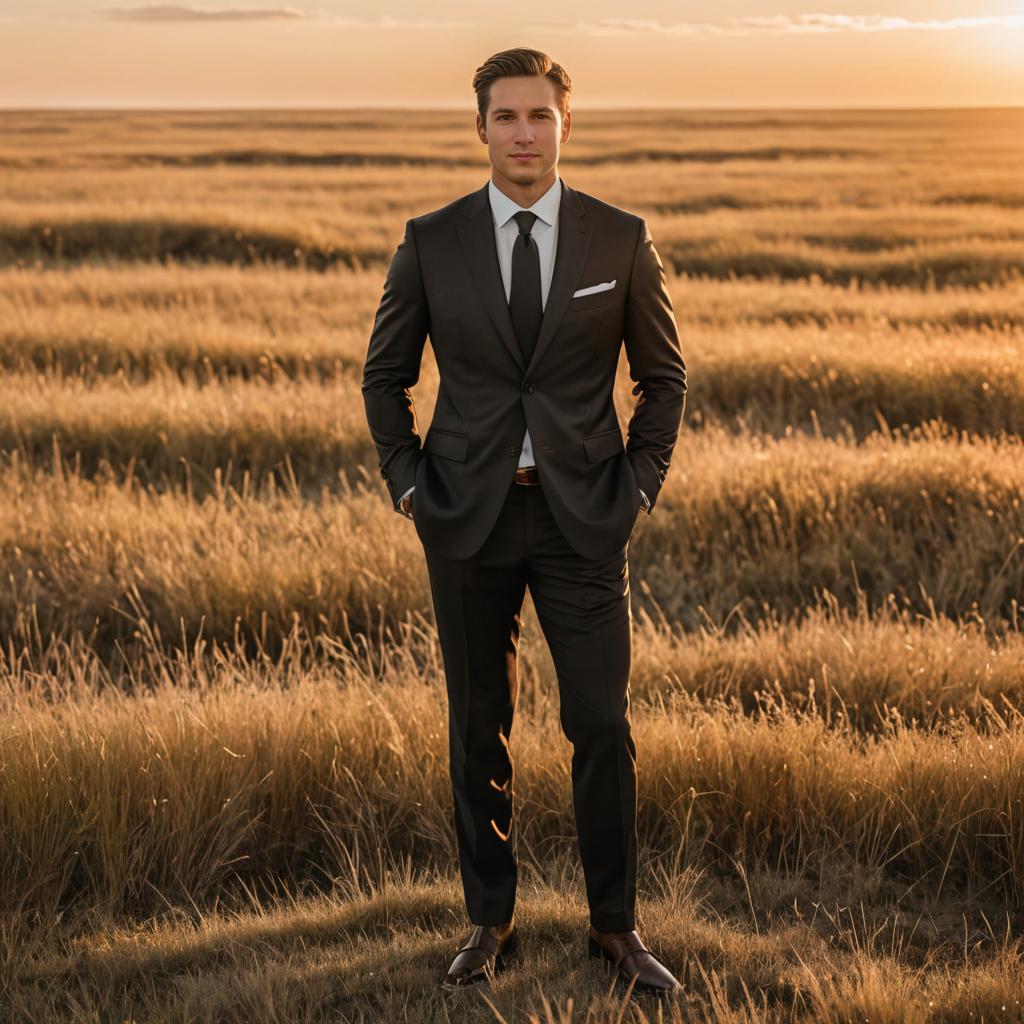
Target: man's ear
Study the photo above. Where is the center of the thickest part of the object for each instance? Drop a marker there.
(566, 125)
(480, 129)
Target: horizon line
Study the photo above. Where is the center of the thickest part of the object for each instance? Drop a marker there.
(471, 108)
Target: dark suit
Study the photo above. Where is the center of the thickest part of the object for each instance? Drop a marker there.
(485, 539)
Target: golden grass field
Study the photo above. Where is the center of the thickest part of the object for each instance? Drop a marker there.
(224, 789)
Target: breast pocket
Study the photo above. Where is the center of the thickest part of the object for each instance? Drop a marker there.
(596, 300)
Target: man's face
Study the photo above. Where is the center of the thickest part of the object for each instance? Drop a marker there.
(523, 118)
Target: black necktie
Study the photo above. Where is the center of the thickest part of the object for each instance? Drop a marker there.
(524, 300)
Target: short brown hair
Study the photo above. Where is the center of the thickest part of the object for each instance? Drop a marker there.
(519, 61)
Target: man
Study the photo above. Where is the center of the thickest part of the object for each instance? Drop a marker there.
(528, 289)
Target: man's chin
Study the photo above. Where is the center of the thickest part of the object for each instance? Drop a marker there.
(525, 174)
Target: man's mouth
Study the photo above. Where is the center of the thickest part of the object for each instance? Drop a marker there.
(523, 156)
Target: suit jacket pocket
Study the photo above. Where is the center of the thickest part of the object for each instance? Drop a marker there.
(594, 300)
(448, 443)
(603, 445)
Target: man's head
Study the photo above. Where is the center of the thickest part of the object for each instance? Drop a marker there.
(522, 99)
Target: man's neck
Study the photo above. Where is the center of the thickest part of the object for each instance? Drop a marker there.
(524, 195)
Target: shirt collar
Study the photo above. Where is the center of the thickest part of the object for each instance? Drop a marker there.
(546, 208)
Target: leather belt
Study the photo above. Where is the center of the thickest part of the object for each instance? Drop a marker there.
(527, 475)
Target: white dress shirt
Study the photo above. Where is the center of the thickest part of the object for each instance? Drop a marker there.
(545, 233)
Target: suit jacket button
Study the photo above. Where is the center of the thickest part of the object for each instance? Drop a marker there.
(531, 388)
(513, 450)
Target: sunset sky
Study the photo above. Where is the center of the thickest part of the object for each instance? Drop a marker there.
(654, 53)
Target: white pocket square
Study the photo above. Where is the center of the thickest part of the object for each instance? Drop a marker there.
(594, 288)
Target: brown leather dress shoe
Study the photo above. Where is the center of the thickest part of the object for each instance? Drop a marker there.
(632, 959)
(480, 958)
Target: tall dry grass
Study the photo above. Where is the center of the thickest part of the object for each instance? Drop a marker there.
(223, 774)
(242, 785)
(226, 771)
(933, 521)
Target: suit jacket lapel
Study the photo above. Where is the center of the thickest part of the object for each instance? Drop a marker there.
(570, 254)
(476, 233)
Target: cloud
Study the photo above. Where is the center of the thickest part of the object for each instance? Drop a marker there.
(773, 24)
(162, 13)
(388, 22)
(785, 24)
(177, 12)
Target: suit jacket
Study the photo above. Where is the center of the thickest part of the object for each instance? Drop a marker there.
(444, 281)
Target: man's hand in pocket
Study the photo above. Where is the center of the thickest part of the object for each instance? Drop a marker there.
(405, 506)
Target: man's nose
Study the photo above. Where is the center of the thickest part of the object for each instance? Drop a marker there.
(524, 132)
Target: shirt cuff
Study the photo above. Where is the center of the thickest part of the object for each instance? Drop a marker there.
(400, 500)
